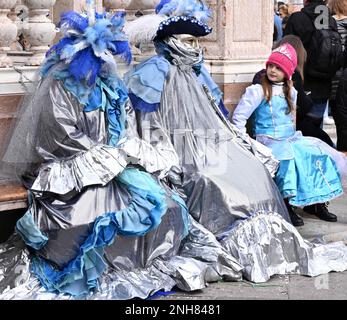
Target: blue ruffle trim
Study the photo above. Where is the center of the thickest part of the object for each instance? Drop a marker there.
(112, 101)
(146, 83)
(28, 229)
(147, 80)
(140, 105)
(142, 215)
(109, 95)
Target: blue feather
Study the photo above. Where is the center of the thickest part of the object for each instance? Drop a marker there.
(101, 15)
(118, 19)
(161, 5)
(82, 51)
(73, 20)
(122, 48)
(99, 36)
(60, 46)
(169, 7)
(192, 8)
(205, 13)
(85, 66)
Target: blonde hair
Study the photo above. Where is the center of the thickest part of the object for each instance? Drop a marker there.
(338, 7)
(284, 8)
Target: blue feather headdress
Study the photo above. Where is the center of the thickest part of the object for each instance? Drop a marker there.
(90, 41)
(185, 17)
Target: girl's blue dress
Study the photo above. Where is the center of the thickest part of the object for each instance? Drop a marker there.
(308, 172)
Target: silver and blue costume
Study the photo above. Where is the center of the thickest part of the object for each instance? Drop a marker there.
(102, 219)
(226, 188)
(217, 172)
(308, 171)
(124, 205)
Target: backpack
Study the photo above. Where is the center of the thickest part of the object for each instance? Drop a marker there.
(325, 54)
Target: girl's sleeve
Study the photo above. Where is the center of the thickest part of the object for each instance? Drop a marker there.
(250, 100)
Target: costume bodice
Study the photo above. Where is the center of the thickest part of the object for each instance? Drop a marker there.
(272, 118)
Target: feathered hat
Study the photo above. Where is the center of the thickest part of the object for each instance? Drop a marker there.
(172, 17)
(90, 41)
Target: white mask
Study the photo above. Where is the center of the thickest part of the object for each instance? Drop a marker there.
(188, 40)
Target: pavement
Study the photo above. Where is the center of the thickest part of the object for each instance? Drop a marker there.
(332, 286)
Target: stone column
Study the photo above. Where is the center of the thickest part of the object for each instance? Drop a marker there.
(239, 44)
(116, 5)
(8, 31)
(135, 9)
(40, 30)
(67, 5)
(15, 46)
(75, 5)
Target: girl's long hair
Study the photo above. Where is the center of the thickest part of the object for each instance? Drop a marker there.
(287, 90)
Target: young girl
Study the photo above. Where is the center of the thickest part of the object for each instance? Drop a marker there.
(307, 176)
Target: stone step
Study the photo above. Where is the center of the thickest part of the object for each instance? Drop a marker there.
(13, 204)
(12, 197)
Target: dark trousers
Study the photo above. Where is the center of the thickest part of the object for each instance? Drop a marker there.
(312, 128)
(339, 112)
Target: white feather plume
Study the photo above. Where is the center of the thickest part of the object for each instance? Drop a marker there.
(142, 30)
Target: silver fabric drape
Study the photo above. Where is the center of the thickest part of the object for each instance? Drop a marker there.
(222, 179)
(267, 245)
(76, 183)
(237, 218)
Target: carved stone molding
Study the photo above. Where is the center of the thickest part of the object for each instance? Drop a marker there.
(40, 30)
(8, 31)
(116, 5)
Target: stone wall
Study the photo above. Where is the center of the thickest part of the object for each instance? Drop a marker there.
(239, 45)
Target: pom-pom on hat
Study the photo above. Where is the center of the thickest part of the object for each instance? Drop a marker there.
(172, 17)
(284, 57)
(185, 17)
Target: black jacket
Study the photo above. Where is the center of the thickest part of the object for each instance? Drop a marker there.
(301, 25)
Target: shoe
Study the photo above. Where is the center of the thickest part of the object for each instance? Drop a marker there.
(321, 211)
(328, 121)
(294, 218)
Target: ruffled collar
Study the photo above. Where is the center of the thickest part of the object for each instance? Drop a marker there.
(108, 94)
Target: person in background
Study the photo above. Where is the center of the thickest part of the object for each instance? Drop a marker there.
(279, 4)
(318, 82)
(283, 12)
(278, 31)
(337, 101)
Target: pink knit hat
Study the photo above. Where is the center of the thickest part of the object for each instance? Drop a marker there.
(285, 58)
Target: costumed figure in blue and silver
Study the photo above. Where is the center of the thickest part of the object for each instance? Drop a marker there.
(225, 177)
(102, 223)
